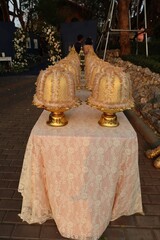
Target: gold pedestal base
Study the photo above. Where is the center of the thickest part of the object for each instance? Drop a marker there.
(108, 120)
(57, 119)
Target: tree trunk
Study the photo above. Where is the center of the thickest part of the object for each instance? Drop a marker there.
(123, 9)
(5, 10)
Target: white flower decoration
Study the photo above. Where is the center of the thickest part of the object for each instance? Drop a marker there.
(54, 49)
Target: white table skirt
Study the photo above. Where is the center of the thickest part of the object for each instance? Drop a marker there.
(81, 175)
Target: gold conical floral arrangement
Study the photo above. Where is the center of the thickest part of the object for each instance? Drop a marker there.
(56, 88)
(111, 89)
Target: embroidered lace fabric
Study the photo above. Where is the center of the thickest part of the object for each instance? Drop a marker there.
(81, 175)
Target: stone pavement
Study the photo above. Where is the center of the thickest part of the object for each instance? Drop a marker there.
(18, 116)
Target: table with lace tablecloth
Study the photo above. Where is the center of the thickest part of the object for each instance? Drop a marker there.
(81, 175)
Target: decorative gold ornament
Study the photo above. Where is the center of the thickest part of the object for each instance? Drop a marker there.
(111, 93)
(108, 117)
(152, 153)
(56, 89)
(157, 162)
(57, 117)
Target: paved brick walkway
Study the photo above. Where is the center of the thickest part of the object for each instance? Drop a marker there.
(18, 116)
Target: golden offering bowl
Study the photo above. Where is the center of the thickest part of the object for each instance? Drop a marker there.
(57, 117)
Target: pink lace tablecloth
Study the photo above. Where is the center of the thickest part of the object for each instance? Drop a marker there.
(82, 175)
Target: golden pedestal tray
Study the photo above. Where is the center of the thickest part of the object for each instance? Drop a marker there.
(108, 117)
(57, 117)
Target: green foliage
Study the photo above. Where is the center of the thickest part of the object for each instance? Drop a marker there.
(4, 68)
(142, 60)
(18, 67)
(28, 4)
(97, 7)
(156, 30)
(153, 47)
(48, 10)
(153, 59)
(33, 59)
